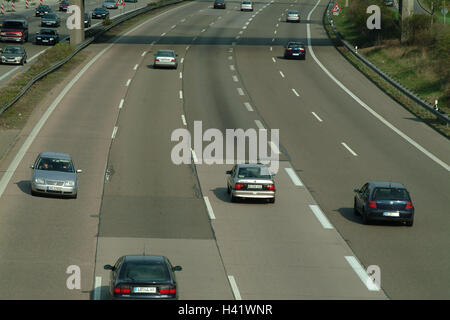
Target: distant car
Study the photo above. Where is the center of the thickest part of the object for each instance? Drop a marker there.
(246, 6)
(165, 58)
(110, 4)
(295, 50)
(143, 277)
(293, 16)
(134, 1)
(63, 5)
(42, 10)
(219, 4)
(14, 30)
(47, 36)
(87, 20)
(250, 180)
(54, 173)
(13, 55)
(50, 20)
(388, 201)
(100, 13)
(389, 3)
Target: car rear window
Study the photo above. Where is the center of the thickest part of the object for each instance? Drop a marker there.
(293, 12)
(390, 194)
(142, 272)
(254, 172)
(164, 54)
(12, 25)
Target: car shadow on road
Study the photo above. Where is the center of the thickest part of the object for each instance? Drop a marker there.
(24, 186)
(348, 214)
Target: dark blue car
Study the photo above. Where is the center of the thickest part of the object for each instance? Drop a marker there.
(386, 201)
(295, 50)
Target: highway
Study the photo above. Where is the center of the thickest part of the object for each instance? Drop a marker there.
(337, 131)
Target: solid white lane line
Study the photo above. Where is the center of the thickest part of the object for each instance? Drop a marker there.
(282, 74)
(365, 106)
(181, 75)
(274, 148)
(37, 128)
(114, 132)
(240, 91)
(273, 59)
(362, 274)
(135, 67)
(121, 103)
(259, 124)
(181, 94)
(98, 288)
(234, 288)
(295, 179)
(128, 82)
(183, 119)
(232, 67)
(194, 156)
(321, 217)
(348, 148)
(235, 79)
(209, 208)
(248, 106)
(295, 92)
(143, 53)
(317, 117)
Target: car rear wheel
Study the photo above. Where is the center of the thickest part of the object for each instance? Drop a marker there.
(232, 198)
(271, 200)
(365, 218)
(355, 210)
(409, 223)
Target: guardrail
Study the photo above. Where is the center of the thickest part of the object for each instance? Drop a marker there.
(84, 44)
(445, 118)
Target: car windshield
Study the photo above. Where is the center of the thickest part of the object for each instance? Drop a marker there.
(293, 12)
(99, 10)
(10, 50)
(54, 164)
(49, 16)
(254, 172)
(48, 32)
(143, 272)
(390, 194)
(12, 25)
(246, 2)
(165, 54)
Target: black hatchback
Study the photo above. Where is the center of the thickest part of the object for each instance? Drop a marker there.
(143, 277)
(295, 50)
(42, 10)
(219, 4)
(386, 201)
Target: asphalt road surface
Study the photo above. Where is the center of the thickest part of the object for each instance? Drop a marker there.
(337, 131)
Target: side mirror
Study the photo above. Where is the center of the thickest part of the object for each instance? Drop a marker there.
(108, 267)
(177, 268)
(228, 172)
(79, 171)
(32, 166)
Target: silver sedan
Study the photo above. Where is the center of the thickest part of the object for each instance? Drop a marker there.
(293, 15)
(54, 173)
(251, 181)
(165, 58)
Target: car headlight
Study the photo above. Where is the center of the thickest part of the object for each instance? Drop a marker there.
(39, 181)
(51, 38)
(70, 183)
(18, 58)
(38, 38)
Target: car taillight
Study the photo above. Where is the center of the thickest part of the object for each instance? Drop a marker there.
(173, 60)
(157, 60)
(409, 205)
(289, 49)
(239, 186)
(270, 187)
(122, 290)
(372, 204)
(301, 49)
(168, 291)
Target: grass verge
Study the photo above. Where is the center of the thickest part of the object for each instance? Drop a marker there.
(397, 95)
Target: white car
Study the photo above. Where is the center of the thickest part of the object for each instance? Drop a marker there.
(247, 6)
(165, 58)
(293, 16)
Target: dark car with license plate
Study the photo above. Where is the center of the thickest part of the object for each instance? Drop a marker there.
(220, 4)
(251, 181)
(42, 10)
(50, 20)
(295, 50)
(143, 277)
(63, 5)
(385, 201)
(14, 30)
(13, 55)
(87, 20)
(47, 36)
(100, 13)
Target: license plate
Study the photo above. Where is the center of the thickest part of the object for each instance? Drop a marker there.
(391, 214)
(144, 289)
(254, 186)
(53, 188)
(296, 54)
(44, 40)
